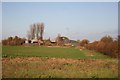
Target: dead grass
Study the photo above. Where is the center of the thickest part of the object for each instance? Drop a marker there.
(36, 67)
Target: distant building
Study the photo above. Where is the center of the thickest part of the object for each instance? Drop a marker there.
(34, 41)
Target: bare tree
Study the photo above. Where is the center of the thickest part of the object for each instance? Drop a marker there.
(41, 31)
(29, 35)
(36, 31)
(32, 32)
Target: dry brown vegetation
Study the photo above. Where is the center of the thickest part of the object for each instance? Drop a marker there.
(107, 45)
(58, 67)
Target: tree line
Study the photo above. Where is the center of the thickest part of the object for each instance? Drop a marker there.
(105, 45)
(13, 41)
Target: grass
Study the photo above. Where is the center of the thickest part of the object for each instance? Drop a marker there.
(36, 67)
(56, 62)
(36, 51)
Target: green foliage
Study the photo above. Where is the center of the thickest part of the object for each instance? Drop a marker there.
(36, 51)
(38, 62)
(28, 51)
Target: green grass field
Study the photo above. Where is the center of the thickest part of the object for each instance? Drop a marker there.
(36, 51)
(56, 62)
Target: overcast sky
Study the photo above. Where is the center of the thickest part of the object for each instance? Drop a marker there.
(76, 20)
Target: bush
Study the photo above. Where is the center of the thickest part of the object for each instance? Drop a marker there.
(13, 41)
(106, 45)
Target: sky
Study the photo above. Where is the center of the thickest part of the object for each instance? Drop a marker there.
(60, 0)
(0, 21)
(75, 20)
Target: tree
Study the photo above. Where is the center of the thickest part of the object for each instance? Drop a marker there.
(101, 46)
(59, 40)
(41, 29)
(106, 45)
(36, 31)
(106, 39)
(32, 31)
(47, 42)
(13, 41)
(10, 38)
(84, 42)
(29, 35)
